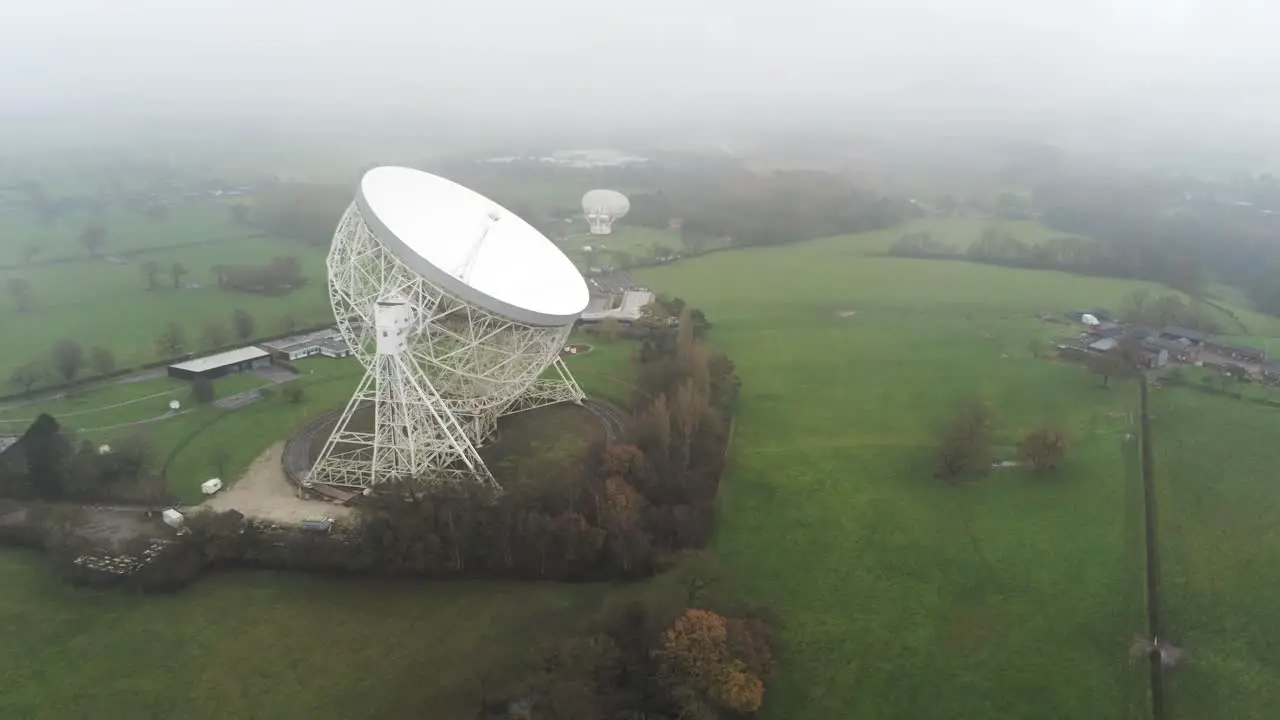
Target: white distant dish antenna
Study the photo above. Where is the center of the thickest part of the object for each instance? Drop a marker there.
(456, 308)
(602, 208)
(1089, 320)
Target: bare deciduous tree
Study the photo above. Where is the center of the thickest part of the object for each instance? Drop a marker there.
(172, 341)
(20, 290)
(151, 273)
(218, 457)
(965, 446)
(26, 376)
(93, 237)
(243, 324)
(68, 359)
(216, 334)
(1043, 448)
(177, 271)
(102, 360)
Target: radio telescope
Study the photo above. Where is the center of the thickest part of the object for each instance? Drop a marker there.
(602, 207)
(458, 310)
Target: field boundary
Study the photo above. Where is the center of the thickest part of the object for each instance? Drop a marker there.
(1152, 534)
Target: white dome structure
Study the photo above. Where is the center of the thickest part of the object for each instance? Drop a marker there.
(456, 307)
(602, 208)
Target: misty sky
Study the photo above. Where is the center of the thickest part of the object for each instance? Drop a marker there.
(1202, 64)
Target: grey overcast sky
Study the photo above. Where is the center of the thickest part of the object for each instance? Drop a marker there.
(1203, 65)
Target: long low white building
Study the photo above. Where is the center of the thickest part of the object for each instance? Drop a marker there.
(328, 343)
(220, 364)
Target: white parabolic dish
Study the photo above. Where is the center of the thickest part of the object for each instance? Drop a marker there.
(449, 235)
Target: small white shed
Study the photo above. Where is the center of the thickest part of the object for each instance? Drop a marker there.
(175, 405)
(211, 486)
(172, 518)
(104, 449)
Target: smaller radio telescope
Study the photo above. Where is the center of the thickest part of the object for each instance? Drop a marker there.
(458, 310)
(602, 207)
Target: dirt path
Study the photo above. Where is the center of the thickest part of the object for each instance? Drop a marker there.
(264, 493)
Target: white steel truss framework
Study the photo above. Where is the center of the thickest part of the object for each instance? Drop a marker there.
(420, 412)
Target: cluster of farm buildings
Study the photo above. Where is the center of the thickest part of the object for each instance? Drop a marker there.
(1169, 345)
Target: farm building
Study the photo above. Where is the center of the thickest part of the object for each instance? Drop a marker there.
(1236, 352)
(1173, 332)
(220, 364)
(328, 343)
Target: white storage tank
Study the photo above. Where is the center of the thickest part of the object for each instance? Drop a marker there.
(211, 486)
(172, 518)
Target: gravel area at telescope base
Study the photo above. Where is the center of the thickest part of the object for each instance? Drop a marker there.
(264, 493)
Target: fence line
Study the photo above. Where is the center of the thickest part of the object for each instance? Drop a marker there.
(1158, 711)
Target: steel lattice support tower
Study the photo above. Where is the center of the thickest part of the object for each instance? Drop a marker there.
(439, 371)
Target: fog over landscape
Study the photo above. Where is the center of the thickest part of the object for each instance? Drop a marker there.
(1085, 72)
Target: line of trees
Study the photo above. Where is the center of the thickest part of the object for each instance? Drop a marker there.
(752, 209)
(636, 504)
(68, 359)
(1066, 253)
(65, 362)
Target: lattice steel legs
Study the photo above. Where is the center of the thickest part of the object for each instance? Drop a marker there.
(414, 436)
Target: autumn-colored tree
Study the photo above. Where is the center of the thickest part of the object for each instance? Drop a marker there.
(737, 689)
(686, 413)
(652, 430)
(695, 652)
(1043, 448)
(695, 647)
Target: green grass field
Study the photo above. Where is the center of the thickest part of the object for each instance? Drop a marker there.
(1219, 507)
(265, 645)
(98, 303)
(900, 595)
(962, 231)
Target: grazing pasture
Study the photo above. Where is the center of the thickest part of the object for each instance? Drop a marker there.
(100, 303)
(1219, 510)
(900, 594)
